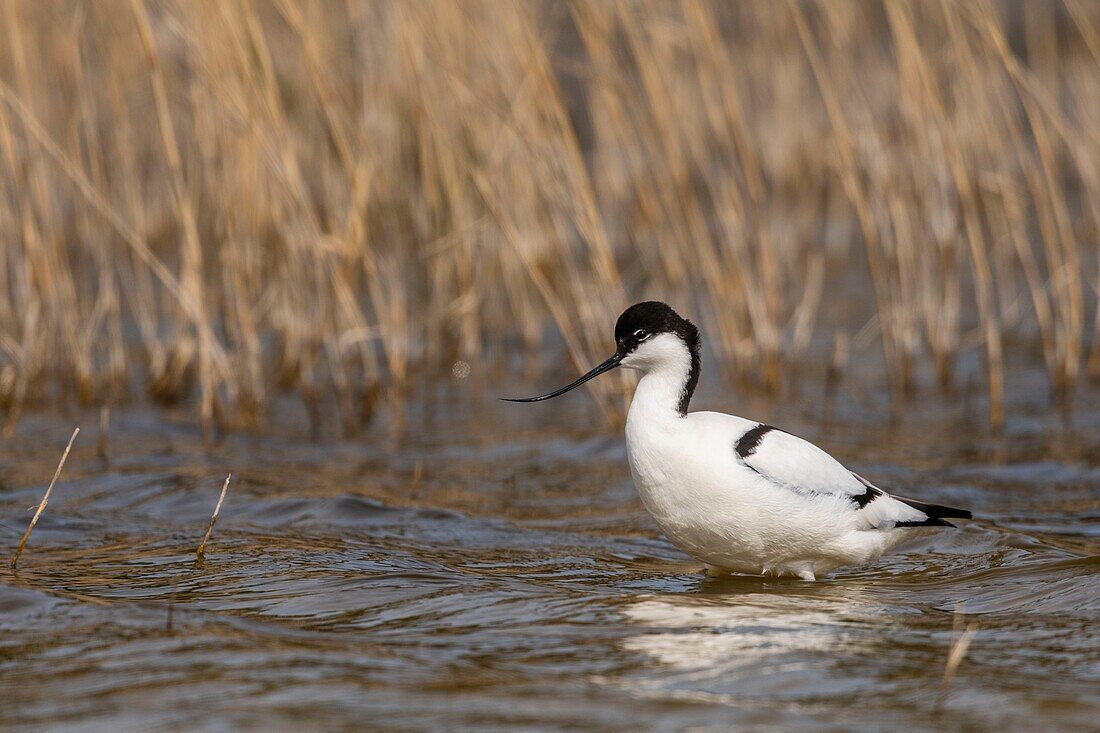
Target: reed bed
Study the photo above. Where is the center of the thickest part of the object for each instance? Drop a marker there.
(215, 201)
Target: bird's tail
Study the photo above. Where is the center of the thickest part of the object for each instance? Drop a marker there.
(937, 514)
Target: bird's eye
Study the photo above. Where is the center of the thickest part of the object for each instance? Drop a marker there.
(641, 334)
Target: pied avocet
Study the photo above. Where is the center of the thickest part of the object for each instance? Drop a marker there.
(739, 495)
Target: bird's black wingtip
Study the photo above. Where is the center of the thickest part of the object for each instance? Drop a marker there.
(930, 522)
(937, 511)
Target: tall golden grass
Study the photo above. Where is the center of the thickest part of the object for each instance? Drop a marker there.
(220, 199)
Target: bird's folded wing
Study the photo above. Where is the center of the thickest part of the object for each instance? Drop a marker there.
(801, 466)
(798, 464)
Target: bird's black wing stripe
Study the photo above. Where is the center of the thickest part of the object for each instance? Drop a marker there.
(872, 492)
(750, 441)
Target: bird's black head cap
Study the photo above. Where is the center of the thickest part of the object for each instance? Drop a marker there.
(642, 321)
(638, 324)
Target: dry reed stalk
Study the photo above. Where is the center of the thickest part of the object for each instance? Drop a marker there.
(35, 129)
(849, 172)
(388, 305)
(580, 358)
(104, 430)
(1063, 260)
(1013, 225)
(834, 372)
(42, 504)
(35, 223)
(1091, 36)
(937, 285)
(191, 259)
(728, 121)
(201, 551)
(975, 237)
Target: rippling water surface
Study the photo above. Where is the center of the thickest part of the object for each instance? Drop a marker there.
(507, 578)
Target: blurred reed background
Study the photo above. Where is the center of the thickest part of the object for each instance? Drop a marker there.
(212, 202)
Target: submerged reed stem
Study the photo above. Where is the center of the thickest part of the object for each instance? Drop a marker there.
(960, 643)
(42, 504)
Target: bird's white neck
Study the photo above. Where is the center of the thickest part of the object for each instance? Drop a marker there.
(657, 398)
(669, 372)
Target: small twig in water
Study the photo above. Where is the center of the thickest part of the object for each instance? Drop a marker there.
(171, 607)
(201, 552)
(960, 643)
(42, 504)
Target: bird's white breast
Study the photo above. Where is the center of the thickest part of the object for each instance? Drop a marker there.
(687, 478)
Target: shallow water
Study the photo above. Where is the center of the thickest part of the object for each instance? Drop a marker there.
(463, 579)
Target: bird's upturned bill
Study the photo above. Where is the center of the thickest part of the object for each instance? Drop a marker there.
(604, 367)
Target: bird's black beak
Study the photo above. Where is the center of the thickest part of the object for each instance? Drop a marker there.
(605, 367)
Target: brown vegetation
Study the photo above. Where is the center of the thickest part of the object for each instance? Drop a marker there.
(228, 198)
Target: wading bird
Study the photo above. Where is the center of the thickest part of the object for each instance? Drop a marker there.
(741, 496)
